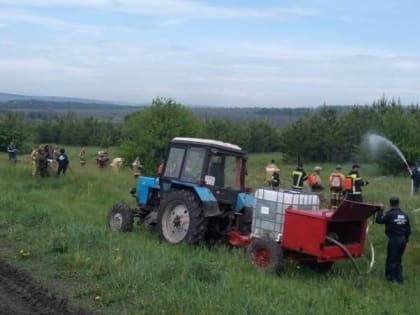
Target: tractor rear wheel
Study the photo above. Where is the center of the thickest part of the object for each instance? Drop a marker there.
(181, 218)
(266, 254)
(120, 217)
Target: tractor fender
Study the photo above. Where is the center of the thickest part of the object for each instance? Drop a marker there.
(144, 184)
(205, 195)
(244, 200)
(209, 202)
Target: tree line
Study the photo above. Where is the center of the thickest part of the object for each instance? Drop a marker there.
(324, 135)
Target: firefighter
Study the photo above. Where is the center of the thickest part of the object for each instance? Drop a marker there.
(82, 157)
(315, 183)
(102, 159)
(35, 162)
(336, 186)
(353, 184)
(314, 180)
(137, 167)
(270, 169)
(298, 177)
(43, 162)
(415, 176)
(397, 228)
(275, 181)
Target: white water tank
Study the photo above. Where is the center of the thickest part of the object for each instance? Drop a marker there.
(270, 206)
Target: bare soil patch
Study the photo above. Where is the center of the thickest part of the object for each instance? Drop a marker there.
(21, 294)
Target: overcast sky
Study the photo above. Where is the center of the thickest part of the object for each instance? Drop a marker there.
(223, 52)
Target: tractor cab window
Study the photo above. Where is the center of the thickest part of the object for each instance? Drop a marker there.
(224, 171)
(174, 162)
(193, 164)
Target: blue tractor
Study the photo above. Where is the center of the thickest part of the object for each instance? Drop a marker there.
(199, 195)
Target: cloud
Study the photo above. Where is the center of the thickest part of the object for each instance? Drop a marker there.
(174, 8)
(407, 65)
(39, 66)
(28, 17)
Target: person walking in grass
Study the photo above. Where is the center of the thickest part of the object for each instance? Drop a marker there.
(398, 230)
(63, 162)
(82, 157)
(12, 151)
(35, 161)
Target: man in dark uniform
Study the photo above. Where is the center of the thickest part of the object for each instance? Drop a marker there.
(63, 162)
(12, 150)
(415, 176)
(355, 192)
(298, 177)
(397, 228)
(43, 163)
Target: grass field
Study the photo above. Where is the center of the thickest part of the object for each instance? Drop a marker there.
(55, 228)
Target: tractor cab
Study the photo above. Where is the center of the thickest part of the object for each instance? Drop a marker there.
(217, 165)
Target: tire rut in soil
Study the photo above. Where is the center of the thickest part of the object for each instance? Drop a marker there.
(21, 294)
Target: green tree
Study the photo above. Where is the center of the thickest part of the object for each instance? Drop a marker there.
(147, 133)
(14, 127)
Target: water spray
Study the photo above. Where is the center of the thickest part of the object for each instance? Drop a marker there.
(374, 140)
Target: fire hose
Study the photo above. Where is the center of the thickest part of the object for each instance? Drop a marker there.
(349, 255)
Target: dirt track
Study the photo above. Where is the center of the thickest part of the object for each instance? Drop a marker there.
(21, 294)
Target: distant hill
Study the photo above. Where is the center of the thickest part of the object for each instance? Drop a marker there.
(6, 97)
(48, 107)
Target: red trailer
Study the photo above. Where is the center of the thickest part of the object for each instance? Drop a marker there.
(315, 237)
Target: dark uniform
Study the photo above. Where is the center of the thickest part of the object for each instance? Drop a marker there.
(11, 150)
(63, 162)
(355, 193)
(43, 163)
(415, 176)
(298, 177)
(397, 228)
(275, 180)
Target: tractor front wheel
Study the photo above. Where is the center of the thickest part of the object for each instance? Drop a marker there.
(120, 217)
(266, 254)
(181, 218)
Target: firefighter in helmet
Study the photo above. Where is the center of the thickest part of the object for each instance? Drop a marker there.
(354, 183)
(336, 186)
(298, 177)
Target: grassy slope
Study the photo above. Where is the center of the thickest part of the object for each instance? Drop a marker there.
(56, 228)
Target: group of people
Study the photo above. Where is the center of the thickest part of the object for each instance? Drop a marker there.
(341, 186)
(46, 161)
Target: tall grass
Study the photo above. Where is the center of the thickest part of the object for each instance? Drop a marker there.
(56, 228)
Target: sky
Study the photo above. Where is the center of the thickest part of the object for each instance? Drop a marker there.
(230, 53)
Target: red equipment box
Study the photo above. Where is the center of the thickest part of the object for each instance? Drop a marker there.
(305, 232)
